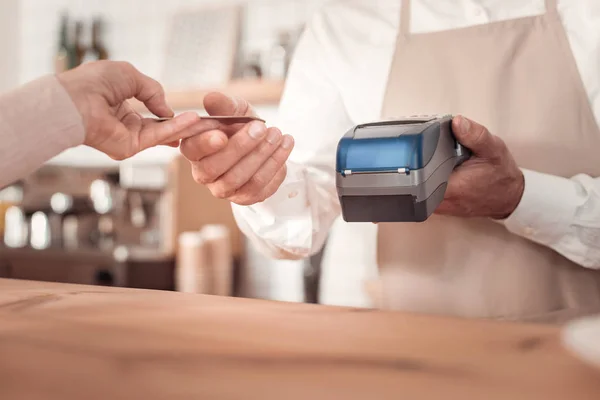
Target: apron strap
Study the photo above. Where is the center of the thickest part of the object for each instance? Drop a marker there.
(551, 5)
(405, 18)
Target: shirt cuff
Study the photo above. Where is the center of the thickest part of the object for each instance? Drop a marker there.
(546, 210)
(284, 219)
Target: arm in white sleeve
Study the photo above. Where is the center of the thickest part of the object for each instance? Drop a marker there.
(561, 213)
(294, 223)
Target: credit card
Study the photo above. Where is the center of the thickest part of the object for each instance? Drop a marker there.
(226, 119)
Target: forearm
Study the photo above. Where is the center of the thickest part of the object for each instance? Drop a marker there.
(293, 223)
(37, 122)
(561, 213)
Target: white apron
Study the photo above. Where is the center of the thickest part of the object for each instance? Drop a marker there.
(520, 80)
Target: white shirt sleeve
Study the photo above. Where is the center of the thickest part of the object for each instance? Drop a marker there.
(295, 221)
(561, 213)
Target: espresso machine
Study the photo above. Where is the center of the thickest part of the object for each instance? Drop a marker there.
(99, 226)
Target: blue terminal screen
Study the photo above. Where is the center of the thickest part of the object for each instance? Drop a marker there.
(380, 153)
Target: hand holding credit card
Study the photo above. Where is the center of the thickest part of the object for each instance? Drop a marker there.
(224, 119)
(226, 122)
(236, 156)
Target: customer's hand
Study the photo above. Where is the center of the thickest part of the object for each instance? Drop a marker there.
(100, 92)
(489, 184)
(244, 163)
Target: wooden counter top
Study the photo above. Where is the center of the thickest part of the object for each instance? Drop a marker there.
(78, 342)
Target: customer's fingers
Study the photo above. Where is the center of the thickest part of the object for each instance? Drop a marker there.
(148, 91)
(244, 170)
(155, 133)
(254, 189)
(210, 168)
(129, 117)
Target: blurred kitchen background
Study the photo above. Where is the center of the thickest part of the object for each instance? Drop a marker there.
(144, 223)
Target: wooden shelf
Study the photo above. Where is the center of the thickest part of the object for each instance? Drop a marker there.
(257, 92)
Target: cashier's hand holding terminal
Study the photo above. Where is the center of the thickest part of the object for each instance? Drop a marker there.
(489, 184)
(244, 163)
(406, 169)
(100, 92)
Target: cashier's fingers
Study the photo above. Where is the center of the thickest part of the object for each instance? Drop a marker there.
(446, 207)
(228, 184)
(216, 103)
(174, 144)
(247, 197)
(209, 169)
(274, 185)
(475, 137)
(264, 182)
(202, 145)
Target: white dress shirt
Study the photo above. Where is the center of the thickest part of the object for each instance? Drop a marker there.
(338, 79)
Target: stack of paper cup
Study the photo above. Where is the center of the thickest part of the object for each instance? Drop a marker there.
(191, 272)
(205, 262)
(219, 258)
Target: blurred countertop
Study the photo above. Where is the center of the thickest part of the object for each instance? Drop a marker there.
(72, 342)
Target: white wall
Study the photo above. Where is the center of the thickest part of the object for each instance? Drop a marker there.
(137, 30)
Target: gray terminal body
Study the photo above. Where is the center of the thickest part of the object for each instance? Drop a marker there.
(403, 195)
